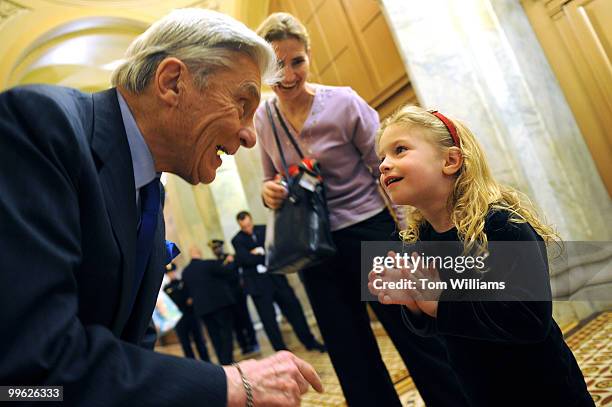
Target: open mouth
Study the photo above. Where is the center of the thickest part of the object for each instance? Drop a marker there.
(221, 150)
(287, 87)
(391, 180)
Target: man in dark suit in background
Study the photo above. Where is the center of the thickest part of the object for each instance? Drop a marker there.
(208, 285)
(188, 326)
(243, 325)
(82, 233)
(266, 289)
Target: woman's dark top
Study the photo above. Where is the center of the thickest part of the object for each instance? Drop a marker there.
(505, 353)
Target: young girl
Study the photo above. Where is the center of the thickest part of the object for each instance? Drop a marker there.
(504, 353)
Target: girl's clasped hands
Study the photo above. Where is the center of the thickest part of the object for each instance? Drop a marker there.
(415, 286)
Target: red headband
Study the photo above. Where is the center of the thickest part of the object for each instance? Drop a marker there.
(449, 126)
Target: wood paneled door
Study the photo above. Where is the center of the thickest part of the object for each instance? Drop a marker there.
(352, 45)
(576, 36)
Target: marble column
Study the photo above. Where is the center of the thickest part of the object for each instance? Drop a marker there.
(248, 164)
(229, 197)
(191, 213)
(480, 61)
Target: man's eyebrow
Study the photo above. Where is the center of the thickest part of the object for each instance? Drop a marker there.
(251, 89)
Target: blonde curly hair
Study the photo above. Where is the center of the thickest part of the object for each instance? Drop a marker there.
(475, 191)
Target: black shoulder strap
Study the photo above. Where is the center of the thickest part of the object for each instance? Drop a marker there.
(282, 122)
(278, 143)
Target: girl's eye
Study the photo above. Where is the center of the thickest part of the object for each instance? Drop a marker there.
(400, 149)
(298, 61)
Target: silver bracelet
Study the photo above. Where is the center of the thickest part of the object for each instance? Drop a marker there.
(247, 386)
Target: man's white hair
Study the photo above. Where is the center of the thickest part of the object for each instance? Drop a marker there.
(203, 39)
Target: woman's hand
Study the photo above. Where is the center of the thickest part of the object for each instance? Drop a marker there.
(274, 193)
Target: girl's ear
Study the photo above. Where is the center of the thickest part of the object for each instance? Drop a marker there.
(453, 161)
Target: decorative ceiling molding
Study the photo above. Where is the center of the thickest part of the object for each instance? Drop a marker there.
(89, 43)
(10, 9)
(81, 27)
(106, 3)
(209, 4)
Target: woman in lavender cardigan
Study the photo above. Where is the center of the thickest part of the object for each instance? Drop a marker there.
(336, 126)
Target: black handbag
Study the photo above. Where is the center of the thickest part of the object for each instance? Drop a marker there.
(298, 234)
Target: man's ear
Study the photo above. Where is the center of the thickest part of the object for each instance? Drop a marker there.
(453, 161)
(169, 80)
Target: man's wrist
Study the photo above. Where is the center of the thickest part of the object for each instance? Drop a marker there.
(248, 390)
(236, 395)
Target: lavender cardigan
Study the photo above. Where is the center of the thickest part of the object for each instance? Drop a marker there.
(339, 132)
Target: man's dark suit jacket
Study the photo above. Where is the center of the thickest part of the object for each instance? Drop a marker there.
(68, 226)
(255, 283)
(208, 284)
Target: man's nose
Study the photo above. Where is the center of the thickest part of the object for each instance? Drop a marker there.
(247, 137)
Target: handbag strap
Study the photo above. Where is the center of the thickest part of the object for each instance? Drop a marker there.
(288, 133)
(278, 143)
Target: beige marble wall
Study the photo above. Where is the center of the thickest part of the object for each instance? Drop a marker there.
(190, 214)
(248, 164)
(480, 61)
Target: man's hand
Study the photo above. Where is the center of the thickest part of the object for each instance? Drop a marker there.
(258, 251)
(277, 381)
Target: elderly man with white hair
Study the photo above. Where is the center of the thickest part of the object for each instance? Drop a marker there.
(81, 226)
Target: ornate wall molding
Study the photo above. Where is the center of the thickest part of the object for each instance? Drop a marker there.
(10, 9)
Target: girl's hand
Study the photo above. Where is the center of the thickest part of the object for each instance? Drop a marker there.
(388, 296)
(428, 297)
(273, 193)
(418, 299)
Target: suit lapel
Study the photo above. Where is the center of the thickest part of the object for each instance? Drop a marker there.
(116, 173)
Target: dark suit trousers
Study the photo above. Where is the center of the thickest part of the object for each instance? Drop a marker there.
(334, 292)
(290, 306)
(187, 328)
(243, 326)
(219, 326)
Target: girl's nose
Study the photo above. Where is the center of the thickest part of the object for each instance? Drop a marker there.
(384, 166)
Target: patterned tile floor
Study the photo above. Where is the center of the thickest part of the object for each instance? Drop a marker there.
(591, 344)
(333, 394)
